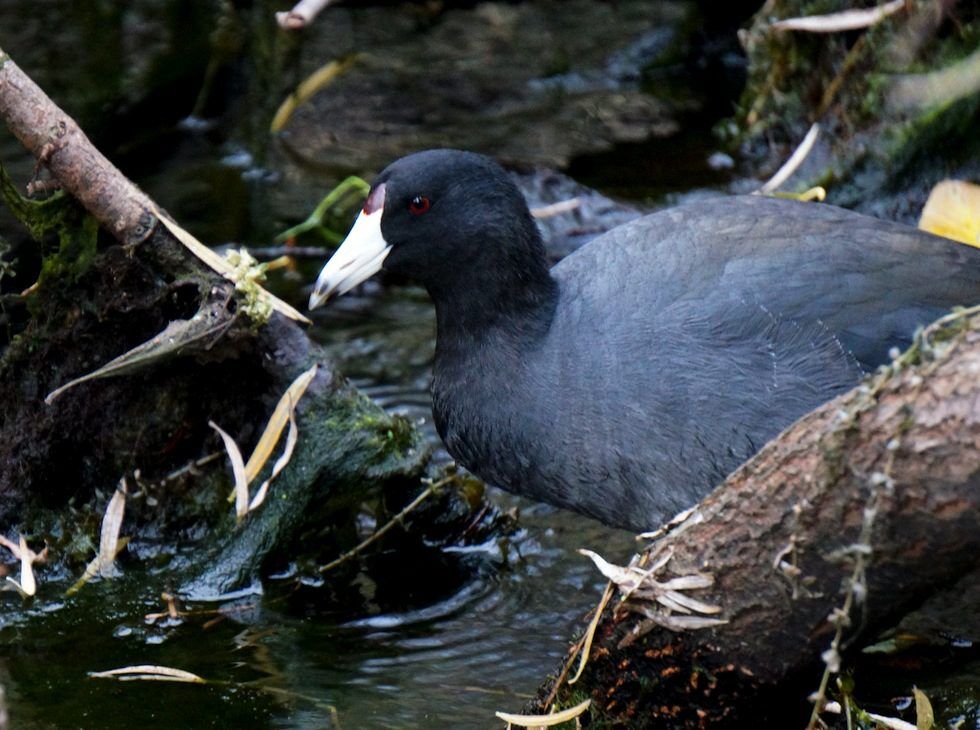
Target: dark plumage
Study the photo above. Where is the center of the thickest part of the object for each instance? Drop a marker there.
(632, 377)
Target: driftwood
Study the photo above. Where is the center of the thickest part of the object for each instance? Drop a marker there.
(854, 515)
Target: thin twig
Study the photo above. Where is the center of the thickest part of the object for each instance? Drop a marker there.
(795, 160)
(358, 549)
(582, 645)
(590, 632)
(850, 62)
(855, 587)
(36, 188)
(296, 252)
(190, 467)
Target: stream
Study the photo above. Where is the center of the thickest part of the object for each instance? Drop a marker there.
(614, 107)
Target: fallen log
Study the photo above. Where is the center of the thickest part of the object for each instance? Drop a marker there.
(854, 515)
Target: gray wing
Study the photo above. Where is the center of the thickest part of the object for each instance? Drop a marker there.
(870, 282)
(761, 310)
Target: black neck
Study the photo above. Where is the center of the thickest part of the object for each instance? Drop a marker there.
(503, 300)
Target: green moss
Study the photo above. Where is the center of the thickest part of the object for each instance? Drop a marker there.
(60, 216)
(6, 267)
(573, 698)
(387, 432)
(40, 217)
(348, 450)
(872, 148)
(905, 144)
(78, 244)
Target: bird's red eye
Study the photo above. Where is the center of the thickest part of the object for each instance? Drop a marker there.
(419, 205)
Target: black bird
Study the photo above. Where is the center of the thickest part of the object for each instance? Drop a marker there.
(629, 379)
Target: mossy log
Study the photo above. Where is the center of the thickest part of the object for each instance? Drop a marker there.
(97, 298)
(876, 495)
(898, 103)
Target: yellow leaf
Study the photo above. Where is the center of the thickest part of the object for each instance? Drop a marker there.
(924, 718)
(287, 453)
(307, 88)
(277, 421)
(590, 633)
(953, 211)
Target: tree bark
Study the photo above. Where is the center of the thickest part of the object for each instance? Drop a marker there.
(896, 460)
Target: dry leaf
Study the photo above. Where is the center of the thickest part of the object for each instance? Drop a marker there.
(109, 542)
(646, 591)
(238, 469)
(149, 672)
(285, 411)
(320, 78)
(837, 22)
(795, 160)
(111, 526)
(27, 583)
(287, 453)
(556, 718)
(590, 633)
(206, 323)
(676, 622)
(924, 717)
(94, 567)
(623, 577)
(893, 723)
(685, 604)
(277, 421)
(220, 265)
(13, 547)
(27, 586)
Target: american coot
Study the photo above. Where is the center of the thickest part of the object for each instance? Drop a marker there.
(632, 377)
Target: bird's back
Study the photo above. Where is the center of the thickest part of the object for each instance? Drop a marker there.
(685, 340)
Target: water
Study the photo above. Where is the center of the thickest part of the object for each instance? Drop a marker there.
(456, 635)
(280, 662)
(487, 646)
